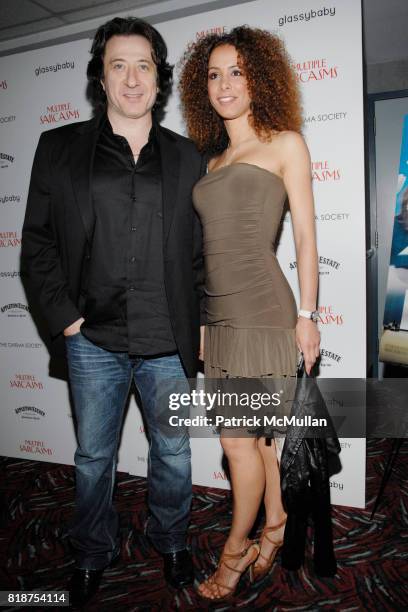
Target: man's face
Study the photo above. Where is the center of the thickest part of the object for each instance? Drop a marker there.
(129, 76)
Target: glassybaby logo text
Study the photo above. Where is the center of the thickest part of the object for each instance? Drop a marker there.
(200, 397)
(307, 15)
(54, 68)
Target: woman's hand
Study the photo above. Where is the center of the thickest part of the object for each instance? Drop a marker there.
(201, 353)
(308, 341)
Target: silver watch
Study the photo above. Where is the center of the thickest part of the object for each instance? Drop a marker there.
(309, 314)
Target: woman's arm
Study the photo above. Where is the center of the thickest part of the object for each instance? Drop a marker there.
(296, 173)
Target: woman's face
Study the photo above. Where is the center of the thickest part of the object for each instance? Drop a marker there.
(227, 85)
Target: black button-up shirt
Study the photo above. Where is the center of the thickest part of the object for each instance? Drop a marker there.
(125, 301)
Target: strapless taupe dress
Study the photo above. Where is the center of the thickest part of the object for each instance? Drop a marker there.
(251, 310)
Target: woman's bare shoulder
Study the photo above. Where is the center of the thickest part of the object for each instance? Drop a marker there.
(293, 148)
(289, 139)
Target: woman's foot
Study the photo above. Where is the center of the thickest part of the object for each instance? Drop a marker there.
(222, 583)
(270, 542)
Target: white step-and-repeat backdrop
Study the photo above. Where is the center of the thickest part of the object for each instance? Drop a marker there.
(45, 88)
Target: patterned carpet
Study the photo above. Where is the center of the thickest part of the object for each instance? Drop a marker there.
(372, 555)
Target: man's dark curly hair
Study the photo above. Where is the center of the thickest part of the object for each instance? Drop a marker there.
(271, 82)
(126, 27)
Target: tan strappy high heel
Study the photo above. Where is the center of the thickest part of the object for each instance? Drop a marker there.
(261, 571)
(215, 586)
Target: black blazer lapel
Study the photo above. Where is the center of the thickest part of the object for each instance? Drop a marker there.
(82, 152)
(170, 166)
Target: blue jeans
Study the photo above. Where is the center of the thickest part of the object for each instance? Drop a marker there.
(100, 381)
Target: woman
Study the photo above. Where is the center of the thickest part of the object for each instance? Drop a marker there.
(241, 106)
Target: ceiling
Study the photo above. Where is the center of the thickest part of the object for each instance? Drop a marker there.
(22, 17)
(385, 21)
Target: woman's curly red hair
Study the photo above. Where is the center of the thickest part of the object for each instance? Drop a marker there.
(271, 82)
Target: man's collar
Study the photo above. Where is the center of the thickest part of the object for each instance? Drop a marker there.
(104, 123)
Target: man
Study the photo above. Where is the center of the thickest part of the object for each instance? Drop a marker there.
(112, 250)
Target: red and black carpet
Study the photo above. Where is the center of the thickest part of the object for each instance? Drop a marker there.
(37, 500)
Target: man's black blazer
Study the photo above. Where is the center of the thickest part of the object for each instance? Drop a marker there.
(59, 222)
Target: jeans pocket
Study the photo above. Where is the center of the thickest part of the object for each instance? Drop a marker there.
(72, 337)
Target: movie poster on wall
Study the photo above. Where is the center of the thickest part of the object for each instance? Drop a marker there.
(394, 341)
